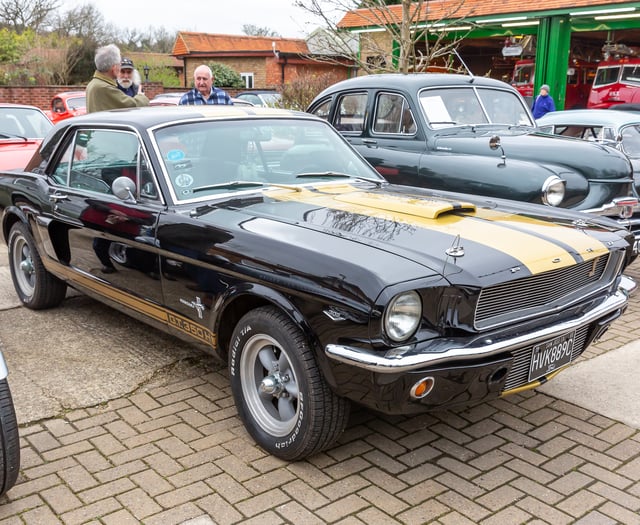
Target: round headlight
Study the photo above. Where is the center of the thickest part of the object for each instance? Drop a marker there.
(402, 316)
(553, 191)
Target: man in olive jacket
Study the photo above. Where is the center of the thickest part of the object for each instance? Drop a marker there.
(102, 92)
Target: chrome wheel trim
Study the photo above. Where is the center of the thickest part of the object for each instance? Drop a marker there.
(269, 385)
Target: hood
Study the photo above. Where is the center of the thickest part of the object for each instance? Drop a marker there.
(559, 153)
(406, 233)
(17, 153)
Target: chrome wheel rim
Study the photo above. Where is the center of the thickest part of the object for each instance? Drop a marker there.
(269, 385)
(23, 265)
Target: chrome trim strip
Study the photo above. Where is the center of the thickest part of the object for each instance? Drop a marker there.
(396, 361)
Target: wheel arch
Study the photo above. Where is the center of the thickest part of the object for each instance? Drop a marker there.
(12, 215)
(250, 297)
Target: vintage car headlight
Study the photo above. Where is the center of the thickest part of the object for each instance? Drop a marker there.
(402, 316)
(553, 191)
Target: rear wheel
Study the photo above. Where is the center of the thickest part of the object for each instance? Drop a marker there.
(9, 440)
(281, 396)
(35, 286)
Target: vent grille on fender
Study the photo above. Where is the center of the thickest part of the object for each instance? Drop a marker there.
(521, 297)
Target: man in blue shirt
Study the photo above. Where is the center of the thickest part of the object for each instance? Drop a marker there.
(204, 92)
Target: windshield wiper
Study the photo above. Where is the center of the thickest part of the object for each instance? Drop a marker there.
(4, 134)
(335, 175)
(230, 184)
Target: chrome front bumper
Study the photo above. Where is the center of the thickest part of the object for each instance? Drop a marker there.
(413, 357)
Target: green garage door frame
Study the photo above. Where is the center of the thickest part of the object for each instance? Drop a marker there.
(553, 29)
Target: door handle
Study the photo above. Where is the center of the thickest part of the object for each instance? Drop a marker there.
(370, 142)
(57, 197)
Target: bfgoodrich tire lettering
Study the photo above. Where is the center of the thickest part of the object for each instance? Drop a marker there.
(35, 286)
(281, 396)
(9, 440)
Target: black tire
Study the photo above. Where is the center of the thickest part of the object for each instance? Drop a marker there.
(9, 440)
(35, 286)
(280, 394)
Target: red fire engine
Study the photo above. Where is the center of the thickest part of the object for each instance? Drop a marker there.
(580, 76)
(617, 79)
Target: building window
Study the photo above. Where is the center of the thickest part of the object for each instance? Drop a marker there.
(247, 78)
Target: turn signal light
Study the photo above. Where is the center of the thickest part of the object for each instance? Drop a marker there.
(422, 388)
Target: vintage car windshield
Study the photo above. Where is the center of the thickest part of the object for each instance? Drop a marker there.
(77, 102)
(448, 107)
(631, 140)
(204, 159)
(23, 122)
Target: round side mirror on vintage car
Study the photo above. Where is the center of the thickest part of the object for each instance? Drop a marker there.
(124, 188)
(494, 144)
(9, 439)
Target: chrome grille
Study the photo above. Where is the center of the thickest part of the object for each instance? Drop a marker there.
(519, 373)
(513, 298)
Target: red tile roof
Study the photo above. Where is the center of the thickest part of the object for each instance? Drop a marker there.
(188, 43)
(452, 9)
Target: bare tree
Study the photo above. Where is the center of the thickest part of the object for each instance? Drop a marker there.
(20, 15)
(421, 43)
(253, 30)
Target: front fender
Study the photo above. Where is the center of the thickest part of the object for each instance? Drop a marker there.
(238, 300)
(496, 177)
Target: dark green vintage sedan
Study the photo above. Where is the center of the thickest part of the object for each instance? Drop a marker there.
(473, 135)
(263, 237)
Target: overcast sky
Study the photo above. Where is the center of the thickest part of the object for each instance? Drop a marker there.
(208, 16)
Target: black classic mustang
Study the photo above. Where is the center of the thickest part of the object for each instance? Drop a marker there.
(473, 135)
(261, 235)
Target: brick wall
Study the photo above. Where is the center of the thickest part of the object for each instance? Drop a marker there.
(40, 96)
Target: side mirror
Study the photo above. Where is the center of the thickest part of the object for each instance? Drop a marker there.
(124, 188)
(494, 144)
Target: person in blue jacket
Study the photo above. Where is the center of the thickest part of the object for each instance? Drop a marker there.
(543, 103)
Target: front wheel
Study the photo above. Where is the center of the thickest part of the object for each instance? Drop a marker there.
(281, 396)
(9, 440)
(35, 286)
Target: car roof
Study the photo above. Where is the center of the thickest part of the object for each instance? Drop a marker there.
(12, 105)
(412, 82)
(259, 92)
(69, 94)
(145, 117)
(595, 117)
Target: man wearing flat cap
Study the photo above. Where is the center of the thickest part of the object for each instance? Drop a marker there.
(102, 92)
(127, 78)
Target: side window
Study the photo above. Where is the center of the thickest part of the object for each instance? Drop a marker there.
(393, 115)
(323, 110)
(350, 114)
(95, 158)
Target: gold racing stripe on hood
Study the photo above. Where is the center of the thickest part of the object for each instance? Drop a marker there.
(531, 248)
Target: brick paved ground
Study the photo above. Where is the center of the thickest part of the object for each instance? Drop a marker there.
(179, 454)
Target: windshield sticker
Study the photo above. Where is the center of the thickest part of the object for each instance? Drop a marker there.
(175, 154)
(183, 180)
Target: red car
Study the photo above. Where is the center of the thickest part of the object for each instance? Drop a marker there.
(66, 105)
(22, 129)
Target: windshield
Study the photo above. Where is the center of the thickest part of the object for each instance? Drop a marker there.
(447, 107)
(203, 159)
(75, 103)
(23, 122)
(631, 140)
